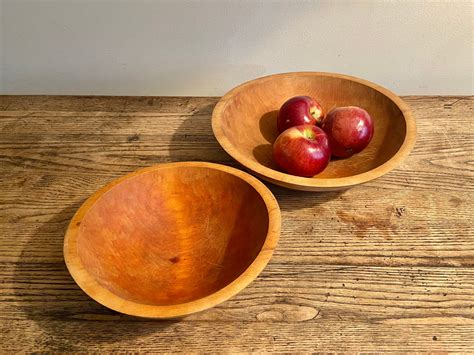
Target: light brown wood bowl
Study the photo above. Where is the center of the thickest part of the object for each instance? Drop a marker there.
(172, 239)
(244, 123)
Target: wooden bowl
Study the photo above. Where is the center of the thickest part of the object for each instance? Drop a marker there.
(244, 123)
(172, 239)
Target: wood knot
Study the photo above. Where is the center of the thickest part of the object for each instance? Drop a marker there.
(270, 316)
(174, 259)
(133, 138)
(288, 313)
(400, 211)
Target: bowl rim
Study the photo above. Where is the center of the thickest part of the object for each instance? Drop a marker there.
(107, 298)
(297, 182)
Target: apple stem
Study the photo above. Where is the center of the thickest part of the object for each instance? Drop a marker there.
(308, 134)
(317, 115)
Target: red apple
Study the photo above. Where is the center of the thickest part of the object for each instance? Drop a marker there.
(349, 130)
(302, 150)
(297, 111)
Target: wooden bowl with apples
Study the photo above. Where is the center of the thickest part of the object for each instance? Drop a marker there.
(172, 239)
(314, 131)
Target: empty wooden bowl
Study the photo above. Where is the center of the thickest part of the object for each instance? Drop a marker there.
(172, 239)
(244, 123)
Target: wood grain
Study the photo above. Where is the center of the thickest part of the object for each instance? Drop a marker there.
(160, 243)
(384, 266)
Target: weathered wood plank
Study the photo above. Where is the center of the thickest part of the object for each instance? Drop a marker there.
(283, 293)
(211, 337)
(360, 227)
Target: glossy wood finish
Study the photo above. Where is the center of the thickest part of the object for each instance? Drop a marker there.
(172, 239)
(384, 266)
(244, 123)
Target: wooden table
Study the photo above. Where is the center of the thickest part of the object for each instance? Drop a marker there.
(384, 266)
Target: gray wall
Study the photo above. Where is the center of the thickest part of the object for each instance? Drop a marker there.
(206, 47)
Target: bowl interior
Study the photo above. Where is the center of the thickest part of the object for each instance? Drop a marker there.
(250, 113)
(171, 236)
